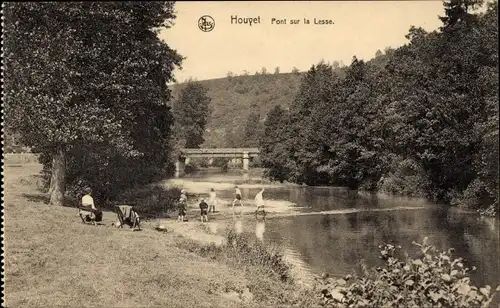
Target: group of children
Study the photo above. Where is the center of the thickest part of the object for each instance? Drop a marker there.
(205, 207)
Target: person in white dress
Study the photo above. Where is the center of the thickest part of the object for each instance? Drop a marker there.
(259, 201)
(212, 200)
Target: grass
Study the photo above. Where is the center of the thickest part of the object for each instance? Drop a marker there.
(20, 158)
(268, 273)
(53, 260)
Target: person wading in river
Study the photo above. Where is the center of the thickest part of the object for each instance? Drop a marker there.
(182, 206)
(237, 196)
(203, 209)
(212, 201)
(259, 202)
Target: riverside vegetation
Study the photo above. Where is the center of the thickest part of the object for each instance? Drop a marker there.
(433, 279)
(422, 124)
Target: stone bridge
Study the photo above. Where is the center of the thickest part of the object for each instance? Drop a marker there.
(242, 153)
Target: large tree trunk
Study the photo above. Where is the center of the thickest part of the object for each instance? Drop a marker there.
(52, 178)
(57, 180)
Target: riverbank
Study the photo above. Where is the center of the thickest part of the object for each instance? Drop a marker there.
(52, 259)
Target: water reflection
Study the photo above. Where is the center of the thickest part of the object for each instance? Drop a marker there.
(337, 242)
(238, 226)
(260, 228)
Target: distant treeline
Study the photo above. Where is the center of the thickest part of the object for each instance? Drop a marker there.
(420, 121)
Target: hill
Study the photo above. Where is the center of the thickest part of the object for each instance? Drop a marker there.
(234, 98)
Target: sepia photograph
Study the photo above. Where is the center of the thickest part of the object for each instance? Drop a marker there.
(250, 154)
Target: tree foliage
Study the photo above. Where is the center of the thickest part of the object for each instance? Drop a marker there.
(272, 156)
(191, 110)
(85, 85)
(421, 120)
(458, 11)
(252, 128)
(436, 279)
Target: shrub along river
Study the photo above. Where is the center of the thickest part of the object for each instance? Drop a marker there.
(337, 228)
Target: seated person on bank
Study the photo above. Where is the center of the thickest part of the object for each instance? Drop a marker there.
(88, 211)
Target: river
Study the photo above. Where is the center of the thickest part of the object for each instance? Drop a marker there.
(337, 228)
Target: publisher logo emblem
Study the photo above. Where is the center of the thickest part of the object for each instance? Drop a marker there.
(206, 23)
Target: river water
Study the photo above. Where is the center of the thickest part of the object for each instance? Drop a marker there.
(354, 225)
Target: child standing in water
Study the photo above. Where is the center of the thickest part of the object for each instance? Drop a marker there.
(182, 209)
(204, 208)
(237, 196)
(212, 201)
(182, 204)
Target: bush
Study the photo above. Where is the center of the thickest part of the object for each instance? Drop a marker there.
(477, 195)
(490, 211)
(267, 273)
(407, 178)
(198, 162)
(221, 162)
(235, 164)
(243, 250)
(433, 280)
(255, 162)
(151, 201)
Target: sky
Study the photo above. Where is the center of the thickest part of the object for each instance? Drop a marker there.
(359, 28)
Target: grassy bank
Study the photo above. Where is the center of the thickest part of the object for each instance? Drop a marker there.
(269, 275)
(53, 260)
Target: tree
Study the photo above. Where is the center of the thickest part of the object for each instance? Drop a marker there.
(458, 10)
(443, 96)
(191, 111)
(252, 128)
(277, 70)
(11, 141)
(314, 96)
(273, 157)
(88, 76)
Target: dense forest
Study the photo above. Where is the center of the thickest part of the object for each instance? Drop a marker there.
(423, 122)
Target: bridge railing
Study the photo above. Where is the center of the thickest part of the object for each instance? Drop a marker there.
(221, 151)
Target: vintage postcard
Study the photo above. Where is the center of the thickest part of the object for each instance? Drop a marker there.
(250, 154)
